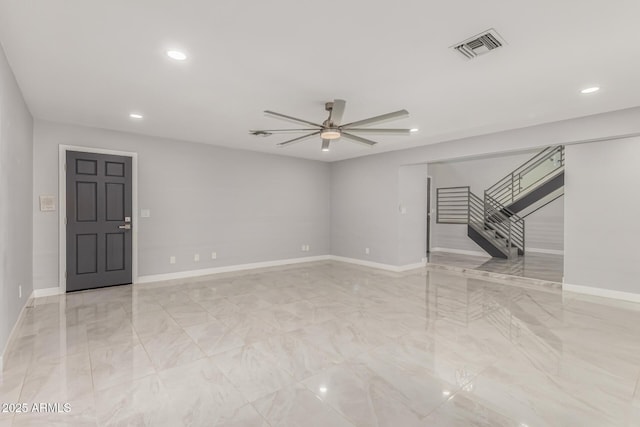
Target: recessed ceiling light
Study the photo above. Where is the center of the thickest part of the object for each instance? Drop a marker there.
(413, 130)
(177, 55)
(590, 89)
(325, 149)
(135, 116)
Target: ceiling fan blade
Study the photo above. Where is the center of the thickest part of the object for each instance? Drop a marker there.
(364, 141)
(337, 111)
(325, 144)
(298, 139)
(283, 130)
(293, 119)
(371, 120)
(374, 130)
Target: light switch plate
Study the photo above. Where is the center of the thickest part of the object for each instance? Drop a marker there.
(47, 203)
(145, 213)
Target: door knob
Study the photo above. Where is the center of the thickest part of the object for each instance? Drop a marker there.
(125, 226)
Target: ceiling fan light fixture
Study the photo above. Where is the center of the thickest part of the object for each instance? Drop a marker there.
(332, 128)
(330, 133)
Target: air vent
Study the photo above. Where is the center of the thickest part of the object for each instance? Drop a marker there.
(479, 44)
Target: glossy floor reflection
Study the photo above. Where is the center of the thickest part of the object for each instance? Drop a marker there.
(532, 265)
(326, 344)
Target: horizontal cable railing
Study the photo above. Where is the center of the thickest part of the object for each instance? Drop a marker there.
(479, 220)
(506, 224)
(452, 205)
(528, 176)
(476, 211)
(458, 205)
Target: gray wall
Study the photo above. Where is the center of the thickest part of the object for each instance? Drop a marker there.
(602, 221)
(412, 204)
(544, 228)
(16, 179)
(364, 208)
(246, 206)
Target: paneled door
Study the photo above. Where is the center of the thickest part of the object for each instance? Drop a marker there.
(99, 211)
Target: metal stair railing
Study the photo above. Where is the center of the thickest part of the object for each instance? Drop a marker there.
(504, 223)
(452, 205)
(528, 176)
(493, 226)
(459, 205)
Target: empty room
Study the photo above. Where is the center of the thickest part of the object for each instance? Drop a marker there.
(290, 213)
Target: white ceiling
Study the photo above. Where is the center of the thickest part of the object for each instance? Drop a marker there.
(93, 62)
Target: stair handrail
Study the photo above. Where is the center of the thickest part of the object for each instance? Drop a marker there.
(478, 220)
(503, 221)
(507, 189)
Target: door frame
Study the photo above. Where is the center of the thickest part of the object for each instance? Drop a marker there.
(62, 203)
(429, 185)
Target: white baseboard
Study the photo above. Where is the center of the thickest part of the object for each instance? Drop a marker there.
(408, 267)
(388, 267)
(544, 251)
(13, 331)
(462, 252)
(600, 292)
(38, 293)
(227, 269)
(485, 255)
(276, 263)
(46, 292)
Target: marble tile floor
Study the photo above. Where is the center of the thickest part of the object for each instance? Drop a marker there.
(326, 344)
(532, 265)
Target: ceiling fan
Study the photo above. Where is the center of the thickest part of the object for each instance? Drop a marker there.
(332, 128)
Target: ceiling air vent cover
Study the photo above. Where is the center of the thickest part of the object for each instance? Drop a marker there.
(479, 44)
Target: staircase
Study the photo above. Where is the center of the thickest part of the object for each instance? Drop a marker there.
(496, 223)
(532, 185)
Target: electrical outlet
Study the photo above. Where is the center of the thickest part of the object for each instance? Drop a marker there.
(172, 259)
(196, 257)
(308, 248)
(366, 251)
(20, 292)
(214, 255)
(302, 248)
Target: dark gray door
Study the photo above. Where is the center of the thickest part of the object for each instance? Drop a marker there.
(99, 215)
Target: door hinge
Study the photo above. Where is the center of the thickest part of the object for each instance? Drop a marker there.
(65, 167)
(65, 274)
(65, 220)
